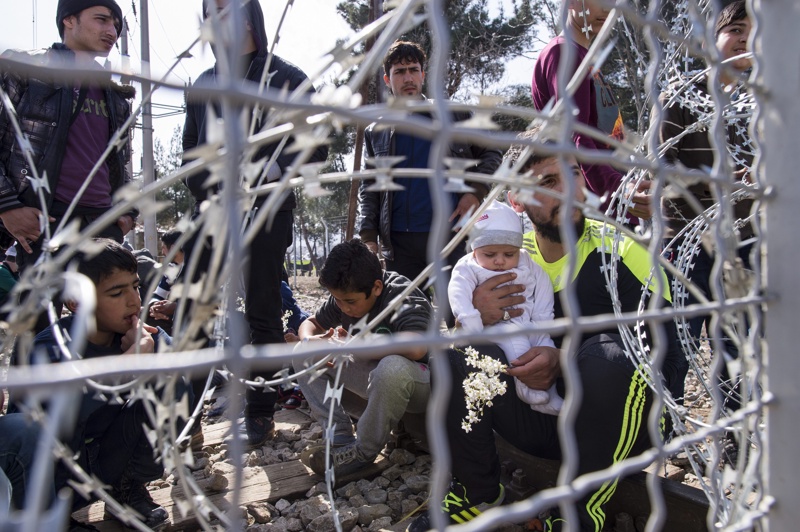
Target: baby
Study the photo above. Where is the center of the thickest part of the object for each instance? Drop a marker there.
(496, 242)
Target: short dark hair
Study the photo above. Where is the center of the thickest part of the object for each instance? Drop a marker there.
(733, 12)
(170, 237)
(534, 156)
(351, 267)
(400, 51)
(112, 257)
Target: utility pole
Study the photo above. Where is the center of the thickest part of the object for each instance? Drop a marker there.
(148, 165)
(126, 62)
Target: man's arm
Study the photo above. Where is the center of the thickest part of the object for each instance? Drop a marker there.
(311, 329)
(21, 221)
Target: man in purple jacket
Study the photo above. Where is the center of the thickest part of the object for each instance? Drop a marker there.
(596, 104)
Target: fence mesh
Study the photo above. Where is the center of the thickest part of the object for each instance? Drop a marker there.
(672, 44)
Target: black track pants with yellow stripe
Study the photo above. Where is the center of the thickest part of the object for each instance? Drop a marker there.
(611, 424)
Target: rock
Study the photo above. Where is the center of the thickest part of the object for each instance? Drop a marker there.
(402, 457)
(357, 501)
(349, 490)
(294, 525)
(367, 514)
(260, 512)
(381, 482)
(376, 496)
(200, 463)
(223, 468)
(417, 483)
(380, 524)
(308, 513)
(393, 473)
(217, 482)
(282, 506)
(407, 506)
(324, 523)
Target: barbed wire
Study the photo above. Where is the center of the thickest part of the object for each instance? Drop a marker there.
(735, 491)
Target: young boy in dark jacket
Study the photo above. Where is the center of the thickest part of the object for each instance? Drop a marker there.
(108, 436)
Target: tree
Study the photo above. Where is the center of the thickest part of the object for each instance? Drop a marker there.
(177, 194)
(311, 212)
(480, 45)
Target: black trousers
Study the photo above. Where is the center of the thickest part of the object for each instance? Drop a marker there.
(411, 257)
(611, 424)
(700, 275)
(263, 302)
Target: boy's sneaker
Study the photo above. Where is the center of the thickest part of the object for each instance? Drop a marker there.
(344, 460)
(135, 495)
(457, 507)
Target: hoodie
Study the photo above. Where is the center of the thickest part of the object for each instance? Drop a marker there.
(282, 75)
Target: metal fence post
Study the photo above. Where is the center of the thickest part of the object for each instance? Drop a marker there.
(777, 42)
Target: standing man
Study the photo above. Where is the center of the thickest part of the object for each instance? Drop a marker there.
(396, 225)
(267, 249)
(594, 99)
(611, 423)
(68, 125)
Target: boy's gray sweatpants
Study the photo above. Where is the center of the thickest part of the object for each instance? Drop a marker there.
(392, 386)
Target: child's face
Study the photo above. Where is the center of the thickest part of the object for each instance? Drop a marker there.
(732, 41)
(498, 257)
(357, 304)
(118, 301)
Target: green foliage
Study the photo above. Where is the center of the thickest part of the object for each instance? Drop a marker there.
(480, 44)
(177, 194)
(517, 96)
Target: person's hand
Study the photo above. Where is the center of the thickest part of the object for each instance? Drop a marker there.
(163, 310)
(466, 205)
(145, 342)
(290, 337)
(126, 223)
(642, 200)
(23, 224)
(537, 368)
(492, 300)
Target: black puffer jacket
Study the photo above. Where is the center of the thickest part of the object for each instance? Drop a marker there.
(375, 208)
(44, 108)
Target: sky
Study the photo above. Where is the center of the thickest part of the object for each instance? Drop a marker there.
(310, 29)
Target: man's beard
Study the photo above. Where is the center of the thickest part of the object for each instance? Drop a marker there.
(551, 231)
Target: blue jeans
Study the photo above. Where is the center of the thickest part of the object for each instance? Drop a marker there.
(18, 443)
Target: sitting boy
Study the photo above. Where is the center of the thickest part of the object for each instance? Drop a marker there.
(392, 384)
(108, 437)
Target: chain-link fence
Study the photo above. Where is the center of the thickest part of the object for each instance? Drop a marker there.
(740, 455)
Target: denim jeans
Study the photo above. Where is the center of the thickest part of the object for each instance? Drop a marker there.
(18, 442)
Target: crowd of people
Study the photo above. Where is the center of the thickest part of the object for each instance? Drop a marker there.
(502, 279)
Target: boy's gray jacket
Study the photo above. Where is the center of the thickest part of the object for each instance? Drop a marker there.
(43, 109)
(375, 208)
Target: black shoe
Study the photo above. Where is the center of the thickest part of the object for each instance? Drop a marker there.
(135, 496)
(457, 507)
(255, 431)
